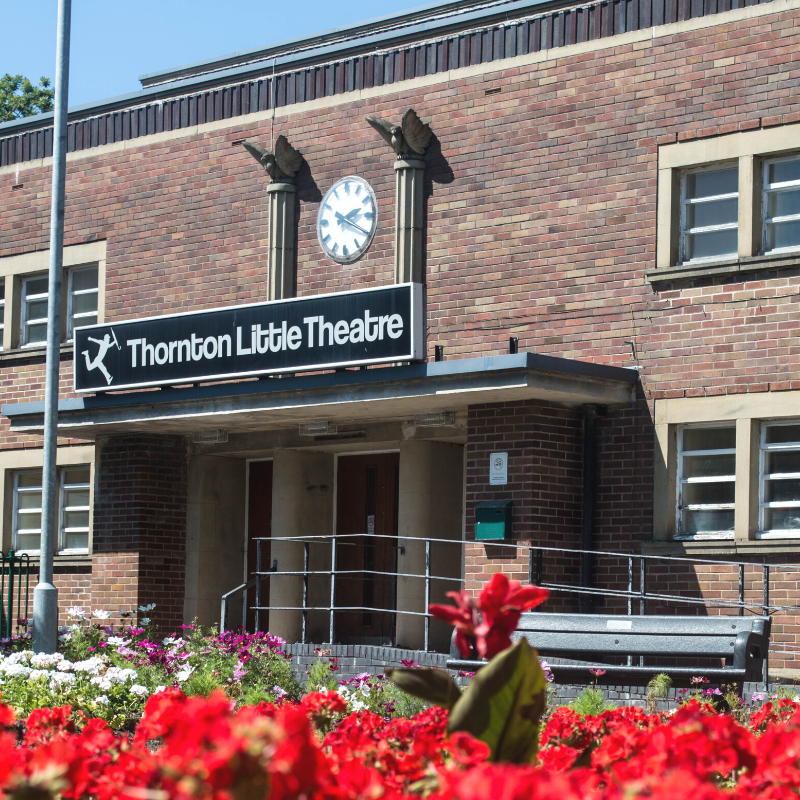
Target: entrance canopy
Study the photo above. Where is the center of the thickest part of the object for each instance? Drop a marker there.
(371, 394)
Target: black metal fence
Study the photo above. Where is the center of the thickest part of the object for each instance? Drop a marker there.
(15, 573)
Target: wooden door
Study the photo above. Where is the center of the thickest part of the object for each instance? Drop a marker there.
(259, 523)
(366, 504)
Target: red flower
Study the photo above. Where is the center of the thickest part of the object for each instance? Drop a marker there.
(464, 617)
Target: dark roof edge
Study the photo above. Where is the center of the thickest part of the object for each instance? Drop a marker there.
(511, 11)
(459, 366)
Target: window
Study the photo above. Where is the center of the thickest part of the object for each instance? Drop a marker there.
(34, 311)
(710, 213)
(2, 311)
(780, 480)
(82, 308)
(27, 510)
(73, 509)
(706, 482)
(781, 204)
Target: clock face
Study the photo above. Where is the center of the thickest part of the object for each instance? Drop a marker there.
(348, 216)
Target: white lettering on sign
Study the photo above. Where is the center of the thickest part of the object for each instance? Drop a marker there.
(498, 469)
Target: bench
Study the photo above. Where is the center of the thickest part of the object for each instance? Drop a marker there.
(741, 641)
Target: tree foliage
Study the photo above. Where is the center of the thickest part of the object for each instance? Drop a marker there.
(21, 98)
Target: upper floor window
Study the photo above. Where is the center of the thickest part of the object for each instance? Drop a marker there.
(781, 204)
(780, 479)
(706, 482)
(34, 311)
(710, 213)
(82, 302)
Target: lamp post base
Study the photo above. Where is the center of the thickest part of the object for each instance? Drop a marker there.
(45, 618)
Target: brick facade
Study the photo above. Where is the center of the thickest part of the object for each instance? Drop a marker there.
(541, 193)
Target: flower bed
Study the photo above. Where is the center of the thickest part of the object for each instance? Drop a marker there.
(191, 747)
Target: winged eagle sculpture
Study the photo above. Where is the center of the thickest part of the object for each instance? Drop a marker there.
(411, 137)
(283, 164)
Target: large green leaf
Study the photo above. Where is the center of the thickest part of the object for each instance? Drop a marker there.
(504, 703)
(434, 685)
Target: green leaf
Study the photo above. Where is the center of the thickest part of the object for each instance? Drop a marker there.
(434, 685)
(504, 703)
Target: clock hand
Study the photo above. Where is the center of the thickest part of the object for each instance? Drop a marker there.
(344, 219)
(352, 214)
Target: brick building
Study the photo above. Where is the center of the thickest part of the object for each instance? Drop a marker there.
(616, 186)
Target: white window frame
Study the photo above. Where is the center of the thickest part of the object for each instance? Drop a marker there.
(763, 477)
(24, 321)
(71, 318)
(62, 509)
(685, 202)
(777, 187)
(16, 491)
(680, 481)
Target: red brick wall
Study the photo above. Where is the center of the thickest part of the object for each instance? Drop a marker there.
(140, 525)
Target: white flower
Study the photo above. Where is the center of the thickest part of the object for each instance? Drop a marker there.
(64, 666)
(142, 691)
(118, 641)
(19, 657)
(102, 682)
(100, 614)
(64, 637)
(170, 640)
(94, 665)
(35, 674)
(59, 679)
(41, 660)
(117, 675)
(159, 689)
(183, 674)
(101, 700)
(76, 612)
(148, 607)
(144, 621)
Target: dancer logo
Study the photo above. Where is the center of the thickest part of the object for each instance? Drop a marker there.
(104, 345)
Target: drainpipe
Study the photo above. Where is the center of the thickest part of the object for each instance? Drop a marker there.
(587, 509)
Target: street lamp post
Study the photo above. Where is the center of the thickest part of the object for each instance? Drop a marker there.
(45, 595)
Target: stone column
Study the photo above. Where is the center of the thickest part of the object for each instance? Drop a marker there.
(302, 505)
(281, 240)
(409, 230)
(430, 506)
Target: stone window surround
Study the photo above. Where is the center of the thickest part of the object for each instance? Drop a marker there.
(749, 149)
(12, 461)
(747, 411)
(14, 268)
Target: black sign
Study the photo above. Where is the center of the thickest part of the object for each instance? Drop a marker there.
(369, 326)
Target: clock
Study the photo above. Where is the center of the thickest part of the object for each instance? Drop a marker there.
(348, 216)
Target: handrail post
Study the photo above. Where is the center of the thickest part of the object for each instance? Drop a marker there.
(642, 573)
(630, 597)
(427, 591)
(333, 585)
(223, 612)
(741, 590)
(765, 611)
(258, 586)
(9, 620)
(539, 567)
(530, 564)
(305, 591)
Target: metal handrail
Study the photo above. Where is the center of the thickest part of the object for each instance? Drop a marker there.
(223, 613)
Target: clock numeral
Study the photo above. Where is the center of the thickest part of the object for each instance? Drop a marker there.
(358, 190)
(367, 199)
(335, 247)
(356, 243)
(324, 223)
(344, 250)
(326, 238)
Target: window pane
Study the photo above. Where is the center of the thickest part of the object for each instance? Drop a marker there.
(28, 541)
(783, 234)
(705, 521)
(37, 309)
(29, 521)
(711, 244)
(715, 212)
(37, 333)
(782, 519)
(79, 475)
(2, 290)
(709, 439)
(784, 171)
(708, 466)
(81, 303)
(783, 461)
(781, 491)
(30, 478)
(29, 500)
(36, 286)
(84, 279)
(76, 519)
(712, 182)
(701, 494)
(76, 497)
(76, 541)
(776, 434)
(80, 322)
(782, 204)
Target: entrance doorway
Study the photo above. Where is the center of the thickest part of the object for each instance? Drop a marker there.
(259, 524)
(366, 528)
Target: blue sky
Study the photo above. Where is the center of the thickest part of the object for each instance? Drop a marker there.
(115, 41)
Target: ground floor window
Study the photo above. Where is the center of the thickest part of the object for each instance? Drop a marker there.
(73, 509)
(780, 479)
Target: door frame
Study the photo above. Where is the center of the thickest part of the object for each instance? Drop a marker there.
(248, 461)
